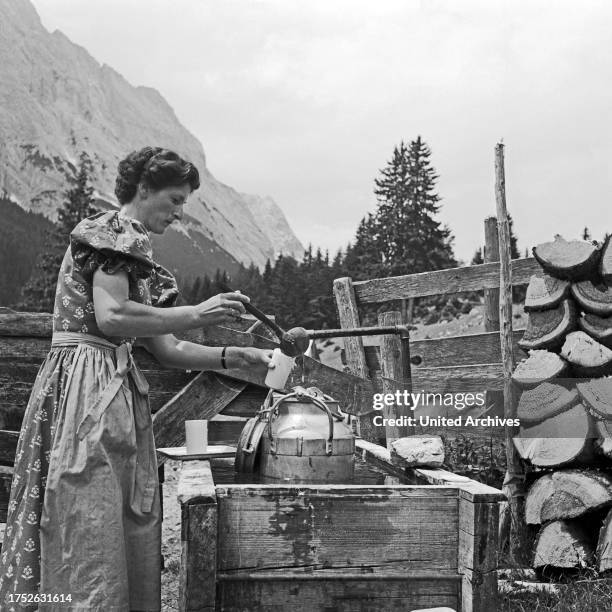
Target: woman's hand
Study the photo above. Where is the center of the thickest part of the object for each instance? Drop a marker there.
(221, 308)
(252, 359)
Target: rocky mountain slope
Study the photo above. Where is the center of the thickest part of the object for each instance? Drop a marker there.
(56, 100)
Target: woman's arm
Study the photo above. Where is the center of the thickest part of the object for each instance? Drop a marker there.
(181, 354)
(117, 315)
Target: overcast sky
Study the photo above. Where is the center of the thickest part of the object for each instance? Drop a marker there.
(304, 101)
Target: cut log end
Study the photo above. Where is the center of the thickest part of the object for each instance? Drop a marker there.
(597, 396)
(597, 327)
(545, 292)
(545, 401)
(567, 494)
(562, 439)
(547, 329)
(587, 356)
(570, 260)
(563, 544)
(595, 298)
(541, 366)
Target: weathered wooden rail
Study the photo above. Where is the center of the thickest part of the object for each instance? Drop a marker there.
(460, 364)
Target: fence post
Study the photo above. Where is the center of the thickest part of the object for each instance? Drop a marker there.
(514, 481)
(491, 296)
(392, 373)
(348, 315)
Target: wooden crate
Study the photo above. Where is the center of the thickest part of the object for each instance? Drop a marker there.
(309, 548)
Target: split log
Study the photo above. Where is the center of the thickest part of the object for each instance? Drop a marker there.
(567, 494)
(559, 440)
(597, 327)
(587, 356)
(597, 396)
(605, 267)
(594, 297)
(541, 366)
(546, 329)
(415, 451)
(545, 401)
(563, 544)
(604, 545)
(545, 292)
(571, 260)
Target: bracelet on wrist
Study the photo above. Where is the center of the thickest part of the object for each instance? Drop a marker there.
(223, 362)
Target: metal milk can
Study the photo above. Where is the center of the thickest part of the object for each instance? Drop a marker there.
(306, 438)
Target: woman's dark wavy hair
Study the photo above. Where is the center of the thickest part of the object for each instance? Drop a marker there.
(157, 168)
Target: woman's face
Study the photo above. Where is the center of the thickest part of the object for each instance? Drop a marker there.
(161, 208)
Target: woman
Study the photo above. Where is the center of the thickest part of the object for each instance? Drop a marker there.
(84, 526)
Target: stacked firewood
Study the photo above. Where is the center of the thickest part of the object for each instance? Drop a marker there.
(565, 406)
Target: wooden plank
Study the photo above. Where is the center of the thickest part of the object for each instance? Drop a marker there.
(392, 377)
(197, 577)
(14, 399)
(348, 315)
(160, 380)
(470, 489)
(247, 404)
(460, 379)
(25, 349)
(381, 457)
(514, 481)
(8, 446)
(341, 573)
(478, 527)
(442, 282)
(338, 595)
(204, 397)
(6, 478)
(196, 484)
(491, 296)
(402, 528)
(453, 350)
(15, 323)
(40, 324)
(224, 429)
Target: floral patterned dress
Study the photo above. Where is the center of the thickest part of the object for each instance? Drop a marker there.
(84, 524)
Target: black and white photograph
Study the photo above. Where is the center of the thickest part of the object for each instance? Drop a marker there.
(305, 306)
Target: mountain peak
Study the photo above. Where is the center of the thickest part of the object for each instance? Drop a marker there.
(57, 101)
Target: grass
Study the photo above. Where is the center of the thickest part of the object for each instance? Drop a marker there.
(590, 595)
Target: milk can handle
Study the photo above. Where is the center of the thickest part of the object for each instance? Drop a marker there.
(316, 401)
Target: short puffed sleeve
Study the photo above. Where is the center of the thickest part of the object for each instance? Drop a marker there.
(112, 242)
(164, 290)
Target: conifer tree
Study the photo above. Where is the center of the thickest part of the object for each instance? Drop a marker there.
(514, 252)
(477, 258)
(38, 294)
(408, 236)
(363, 258)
